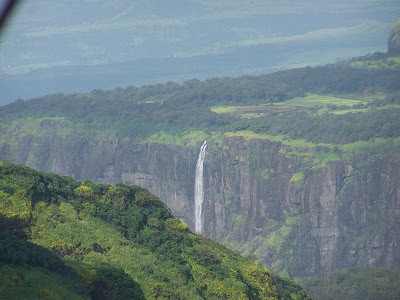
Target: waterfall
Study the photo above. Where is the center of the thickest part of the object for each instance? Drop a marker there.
(199, 190)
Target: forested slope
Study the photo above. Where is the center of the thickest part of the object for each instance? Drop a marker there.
(63, 239)
(358, 86)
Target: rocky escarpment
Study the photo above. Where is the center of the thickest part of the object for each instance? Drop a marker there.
(394, 39)
(166, 170)
(300, 213)
(301, 216)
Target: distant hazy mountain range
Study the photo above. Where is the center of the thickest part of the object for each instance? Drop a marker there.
(76, 46)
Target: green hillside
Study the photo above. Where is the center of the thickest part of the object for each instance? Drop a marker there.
(63, 239)
(356, 284)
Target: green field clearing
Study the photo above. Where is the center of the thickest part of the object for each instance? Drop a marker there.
(313, 100)
(252, 111)
(224, 109)
(309, 101)
(154, 100)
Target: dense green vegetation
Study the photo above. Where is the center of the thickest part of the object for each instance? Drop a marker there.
(356, 283)
(62, 237)
(29, 271)
(327, 128)
(176, 109)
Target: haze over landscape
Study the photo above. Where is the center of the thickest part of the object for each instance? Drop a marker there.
(200, 150)
(77, 46)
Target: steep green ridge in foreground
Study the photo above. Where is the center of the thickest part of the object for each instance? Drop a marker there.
(356, 284)
(113, 242)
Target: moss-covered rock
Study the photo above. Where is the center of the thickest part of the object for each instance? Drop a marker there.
(394, 39)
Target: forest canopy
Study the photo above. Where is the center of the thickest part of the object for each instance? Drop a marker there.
(138, 113)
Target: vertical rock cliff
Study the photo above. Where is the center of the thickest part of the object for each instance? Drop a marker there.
(302, 217)
(298, 215)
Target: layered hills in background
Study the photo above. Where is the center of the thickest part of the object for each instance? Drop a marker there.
(77, 46)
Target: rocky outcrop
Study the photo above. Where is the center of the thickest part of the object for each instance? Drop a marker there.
(298, 215)
(394, 39)
(166, 170)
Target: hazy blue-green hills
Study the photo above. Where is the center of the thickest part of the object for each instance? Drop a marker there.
(78, 46)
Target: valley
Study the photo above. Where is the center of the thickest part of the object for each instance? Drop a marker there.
(283, 181)
(296, 172)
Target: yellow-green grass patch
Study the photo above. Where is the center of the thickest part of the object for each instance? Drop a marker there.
(224, 109)
(313, 100)
(297, 177)
(309, 101)
(154, 100)
(253, 110)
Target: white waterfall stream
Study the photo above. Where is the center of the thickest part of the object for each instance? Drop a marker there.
(199, 190)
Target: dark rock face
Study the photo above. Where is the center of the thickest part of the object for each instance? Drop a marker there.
(394, 39)
(166, 170)
(265, 199)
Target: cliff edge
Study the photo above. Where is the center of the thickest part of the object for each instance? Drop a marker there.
(394, 39)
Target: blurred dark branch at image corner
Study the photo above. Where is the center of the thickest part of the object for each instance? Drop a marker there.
(6, 8)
